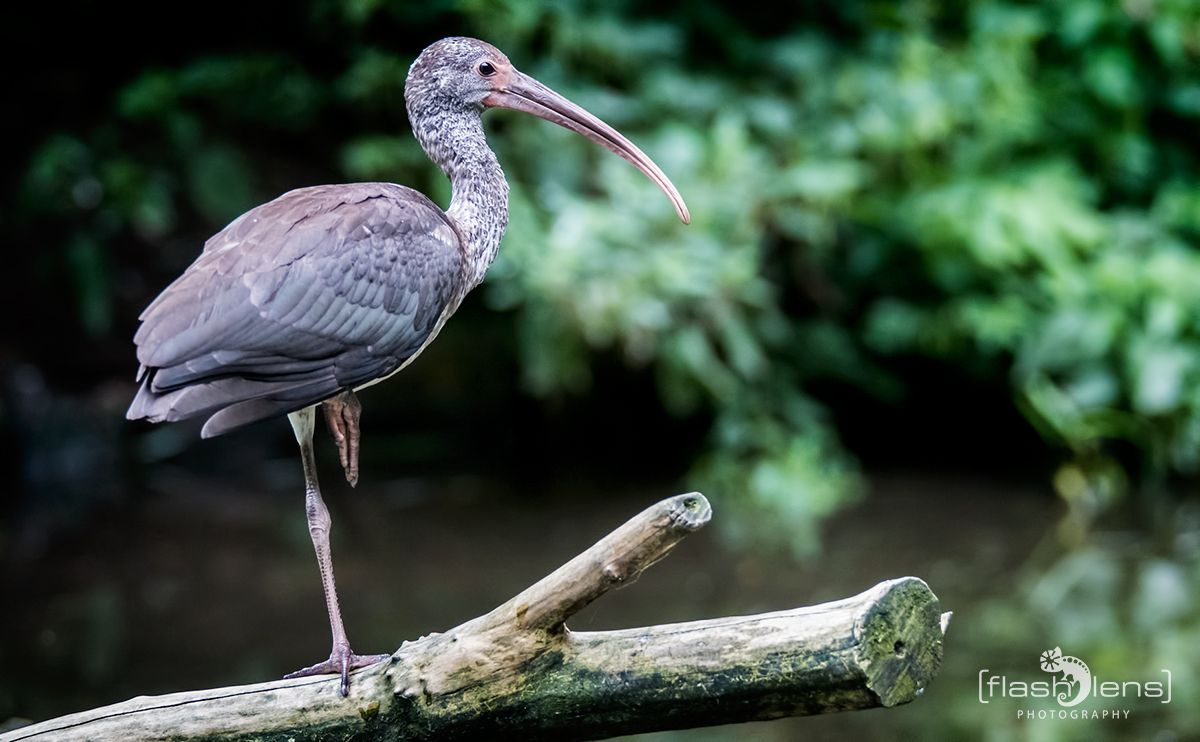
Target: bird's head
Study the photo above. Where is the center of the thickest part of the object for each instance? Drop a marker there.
(464, 74)
(457, 72)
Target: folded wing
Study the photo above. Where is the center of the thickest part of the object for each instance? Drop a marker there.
(320, 290)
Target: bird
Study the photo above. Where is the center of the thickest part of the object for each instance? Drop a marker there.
(305, 300)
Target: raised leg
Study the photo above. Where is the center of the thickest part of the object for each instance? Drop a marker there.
(341, 660)
(342, 414)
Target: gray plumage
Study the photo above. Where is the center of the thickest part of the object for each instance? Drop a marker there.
(323, 289)
(332, 287)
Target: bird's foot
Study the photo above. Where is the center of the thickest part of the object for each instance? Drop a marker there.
(340, 662)
(342, 414)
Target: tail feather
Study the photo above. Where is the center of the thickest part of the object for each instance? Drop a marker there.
(230, 402)
(281, 403)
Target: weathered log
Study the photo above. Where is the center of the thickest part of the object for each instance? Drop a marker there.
(518, 672)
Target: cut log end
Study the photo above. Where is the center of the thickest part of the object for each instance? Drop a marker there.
(900, 646)
(688, 512)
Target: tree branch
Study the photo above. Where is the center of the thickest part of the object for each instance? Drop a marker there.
(518, 671)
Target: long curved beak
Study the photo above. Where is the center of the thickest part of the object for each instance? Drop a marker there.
(523, 93)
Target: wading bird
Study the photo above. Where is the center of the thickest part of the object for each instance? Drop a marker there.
(304, 300)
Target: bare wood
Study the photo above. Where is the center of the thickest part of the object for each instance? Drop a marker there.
(518, 672)
(617, 559)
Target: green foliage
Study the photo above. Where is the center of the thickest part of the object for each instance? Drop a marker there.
(973, 195)
(1007, 187)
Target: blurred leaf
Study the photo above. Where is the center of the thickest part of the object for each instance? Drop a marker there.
(221, 183)
(89, 271)
(381, 158)
(1158, 373)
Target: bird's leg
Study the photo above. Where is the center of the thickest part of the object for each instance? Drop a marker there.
(341, 660)
(342, 414)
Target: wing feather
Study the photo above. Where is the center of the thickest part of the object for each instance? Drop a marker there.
(322, 289)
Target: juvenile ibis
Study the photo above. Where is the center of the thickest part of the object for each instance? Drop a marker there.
(304, 300)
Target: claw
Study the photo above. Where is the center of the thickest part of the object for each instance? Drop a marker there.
(340, 662)
(342, 414)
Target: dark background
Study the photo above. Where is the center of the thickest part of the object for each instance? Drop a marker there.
(936, 315)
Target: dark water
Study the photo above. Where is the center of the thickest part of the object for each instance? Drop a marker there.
(207, 584)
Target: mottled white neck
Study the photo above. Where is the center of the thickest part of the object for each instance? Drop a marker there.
(454, 139)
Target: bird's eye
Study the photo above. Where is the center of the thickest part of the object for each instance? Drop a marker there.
(487, 69)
